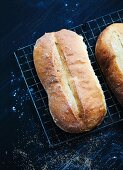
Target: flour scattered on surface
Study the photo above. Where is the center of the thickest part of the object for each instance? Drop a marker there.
(14, 109)
(25, 163)
(114, 157)
(20, 152)
(14, 93)
(20, 95)
(65, 4)
(69, 21)
(77, 4)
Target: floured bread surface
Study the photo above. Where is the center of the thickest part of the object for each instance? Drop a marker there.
(109, 53)
(76, 100)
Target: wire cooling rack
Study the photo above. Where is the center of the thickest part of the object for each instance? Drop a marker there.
(24, 57)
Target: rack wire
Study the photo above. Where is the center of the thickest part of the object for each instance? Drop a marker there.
(24, 57)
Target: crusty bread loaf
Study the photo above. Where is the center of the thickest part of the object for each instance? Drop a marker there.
(76, 100)
(109, 53)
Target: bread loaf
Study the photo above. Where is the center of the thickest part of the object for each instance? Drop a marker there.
(76, 100)
(109, 53)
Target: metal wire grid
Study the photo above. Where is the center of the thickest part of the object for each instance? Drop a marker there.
(24, 57)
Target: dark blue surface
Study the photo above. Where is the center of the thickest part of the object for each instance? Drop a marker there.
(22, 142)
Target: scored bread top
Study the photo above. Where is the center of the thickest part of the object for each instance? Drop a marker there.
(76, 100)
(109, 53)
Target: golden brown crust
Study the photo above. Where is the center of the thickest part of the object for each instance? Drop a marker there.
(106, 57)
(76, 101)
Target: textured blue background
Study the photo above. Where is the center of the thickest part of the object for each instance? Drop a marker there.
(22, 142)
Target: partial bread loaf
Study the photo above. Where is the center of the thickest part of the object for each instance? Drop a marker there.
(76, 100)
(109, 53)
